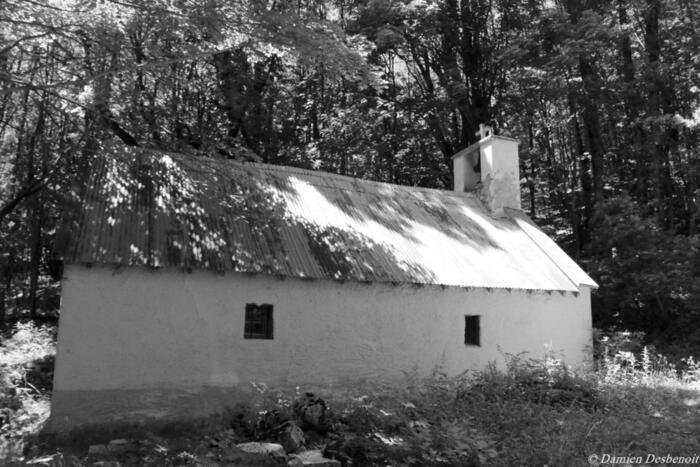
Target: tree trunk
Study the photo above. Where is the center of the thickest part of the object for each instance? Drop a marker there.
(36, 211)
(691, 196)
(626, 63)
(657, 134)
(37, 214)
(531, 177)
(584, 197)
(591, 89)
(591, 121)
(3, 267)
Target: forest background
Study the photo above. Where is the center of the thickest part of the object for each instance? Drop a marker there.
(604, 97)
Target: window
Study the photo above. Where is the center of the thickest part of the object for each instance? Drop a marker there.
(258, 321)
(472, 330)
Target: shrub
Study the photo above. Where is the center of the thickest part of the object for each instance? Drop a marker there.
(26, 374)
(645, 368)
(663, 300)
(547, 381)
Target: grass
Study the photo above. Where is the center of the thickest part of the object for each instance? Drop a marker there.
(534, 412)
(542, 414)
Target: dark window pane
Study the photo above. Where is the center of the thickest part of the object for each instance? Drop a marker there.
(472, 330)
(258, 321)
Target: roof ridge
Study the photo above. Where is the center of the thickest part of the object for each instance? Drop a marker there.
(288, 169)
(323, 174)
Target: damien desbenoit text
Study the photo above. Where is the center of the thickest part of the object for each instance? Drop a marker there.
(611, 459)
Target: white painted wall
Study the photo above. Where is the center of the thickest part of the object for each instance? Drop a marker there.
(137, 329)
(500, 173)
(465, 177)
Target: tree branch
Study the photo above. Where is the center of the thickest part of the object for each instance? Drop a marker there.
(25, 192)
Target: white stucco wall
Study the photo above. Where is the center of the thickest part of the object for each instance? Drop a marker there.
(133, 330)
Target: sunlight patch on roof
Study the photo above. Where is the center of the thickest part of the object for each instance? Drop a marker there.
(173, 210)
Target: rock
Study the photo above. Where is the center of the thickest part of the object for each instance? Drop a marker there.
(119, 442)
(274, 450)
(292, 438)
(273, 419)
(262, 448)
(223, 438)
(311, 410)
(115, 449)
(312, 458)
(97, 450)
(117, 446)
(235, 456)
(315, 414)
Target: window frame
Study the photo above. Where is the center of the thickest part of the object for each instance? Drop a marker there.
(260, 327)
(472, 330)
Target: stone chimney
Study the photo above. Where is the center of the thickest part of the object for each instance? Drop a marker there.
(490, 167)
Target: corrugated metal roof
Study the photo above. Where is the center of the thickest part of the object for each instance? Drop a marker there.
(163, 209)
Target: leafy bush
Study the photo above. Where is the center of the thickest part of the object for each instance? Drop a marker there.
(547, 381)
(539, 412)
(26, 373)
(612, 342)
(649, 278)
(620, 363)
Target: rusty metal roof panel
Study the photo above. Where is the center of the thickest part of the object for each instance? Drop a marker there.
(158, 209)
